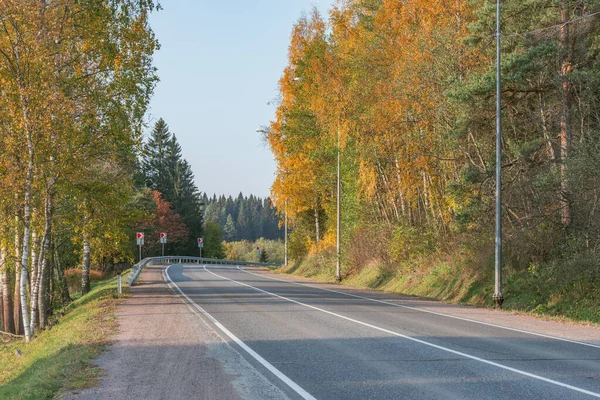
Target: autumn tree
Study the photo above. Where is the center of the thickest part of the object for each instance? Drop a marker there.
(76, 78)
(162, 218)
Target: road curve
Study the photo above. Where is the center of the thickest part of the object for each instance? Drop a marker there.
(324, 344)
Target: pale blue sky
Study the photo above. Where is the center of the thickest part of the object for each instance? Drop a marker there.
(219, 65)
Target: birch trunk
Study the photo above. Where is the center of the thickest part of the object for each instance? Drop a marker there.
(24, 258)
(317, 223)
(17, 314)
(44, 263)
(26, 221)
(85, 267)
(33, 287)
(399, 182)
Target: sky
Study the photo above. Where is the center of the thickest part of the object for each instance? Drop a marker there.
(219, 65)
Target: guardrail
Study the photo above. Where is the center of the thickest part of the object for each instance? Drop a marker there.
(137, 268)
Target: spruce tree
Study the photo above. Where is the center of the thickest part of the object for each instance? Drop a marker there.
(169, 173)
(154, 160)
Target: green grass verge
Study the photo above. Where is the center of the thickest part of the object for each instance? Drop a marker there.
(60, 359)
(450, 279)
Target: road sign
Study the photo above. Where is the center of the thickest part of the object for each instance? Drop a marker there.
(140, 238)
(200, 242)
(163, 237)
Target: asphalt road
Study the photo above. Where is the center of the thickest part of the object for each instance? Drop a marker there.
(315, 343)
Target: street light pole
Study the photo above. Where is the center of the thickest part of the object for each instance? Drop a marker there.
(338, 276)
(498, 298)
(285, 249)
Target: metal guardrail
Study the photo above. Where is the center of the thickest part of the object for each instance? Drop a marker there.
(137, 268)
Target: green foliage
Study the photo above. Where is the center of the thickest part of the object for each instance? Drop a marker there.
(297, 245)
(213, 241)
(229, 229)
(245, 250)
(409, 242)
(264, 256)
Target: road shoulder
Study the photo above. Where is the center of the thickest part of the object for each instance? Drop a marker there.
(164, 350)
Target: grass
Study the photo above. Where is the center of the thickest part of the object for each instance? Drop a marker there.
(450, 278)
(60, 359)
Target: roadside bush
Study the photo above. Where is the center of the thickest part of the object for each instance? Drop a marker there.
(297, 246)
(369, 245)
(245, 250)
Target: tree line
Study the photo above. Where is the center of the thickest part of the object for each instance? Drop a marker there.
(406, 91)
(244, 218)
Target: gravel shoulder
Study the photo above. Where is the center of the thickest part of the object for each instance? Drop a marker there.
(164, 350)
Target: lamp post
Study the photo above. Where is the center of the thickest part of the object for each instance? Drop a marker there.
(498, 297)
(338, 275)
(285, 248)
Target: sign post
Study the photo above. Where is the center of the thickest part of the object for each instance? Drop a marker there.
(163, 240)
(200, 245)
(140, 242)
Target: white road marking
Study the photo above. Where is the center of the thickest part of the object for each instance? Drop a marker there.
(458, 353)
(428, 311)
(293, 385)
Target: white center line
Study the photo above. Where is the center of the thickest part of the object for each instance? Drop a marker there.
(293, 385)
(465, 355)
(427, 311)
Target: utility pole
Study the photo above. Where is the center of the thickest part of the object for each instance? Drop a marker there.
(285, 248)
(338, 276)
(498, 298)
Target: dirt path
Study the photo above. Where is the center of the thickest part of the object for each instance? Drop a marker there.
(165, 351)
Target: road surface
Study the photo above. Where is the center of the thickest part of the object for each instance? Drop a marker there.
(324, 342)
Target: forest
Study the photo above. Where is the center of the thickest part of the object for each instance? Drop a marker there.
(77, 178)
(405, 91)
(244, 218)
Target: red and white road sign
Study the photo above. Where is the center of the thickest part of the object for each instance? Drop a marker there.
(140, 235)
(200, 240)
(163, 235)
